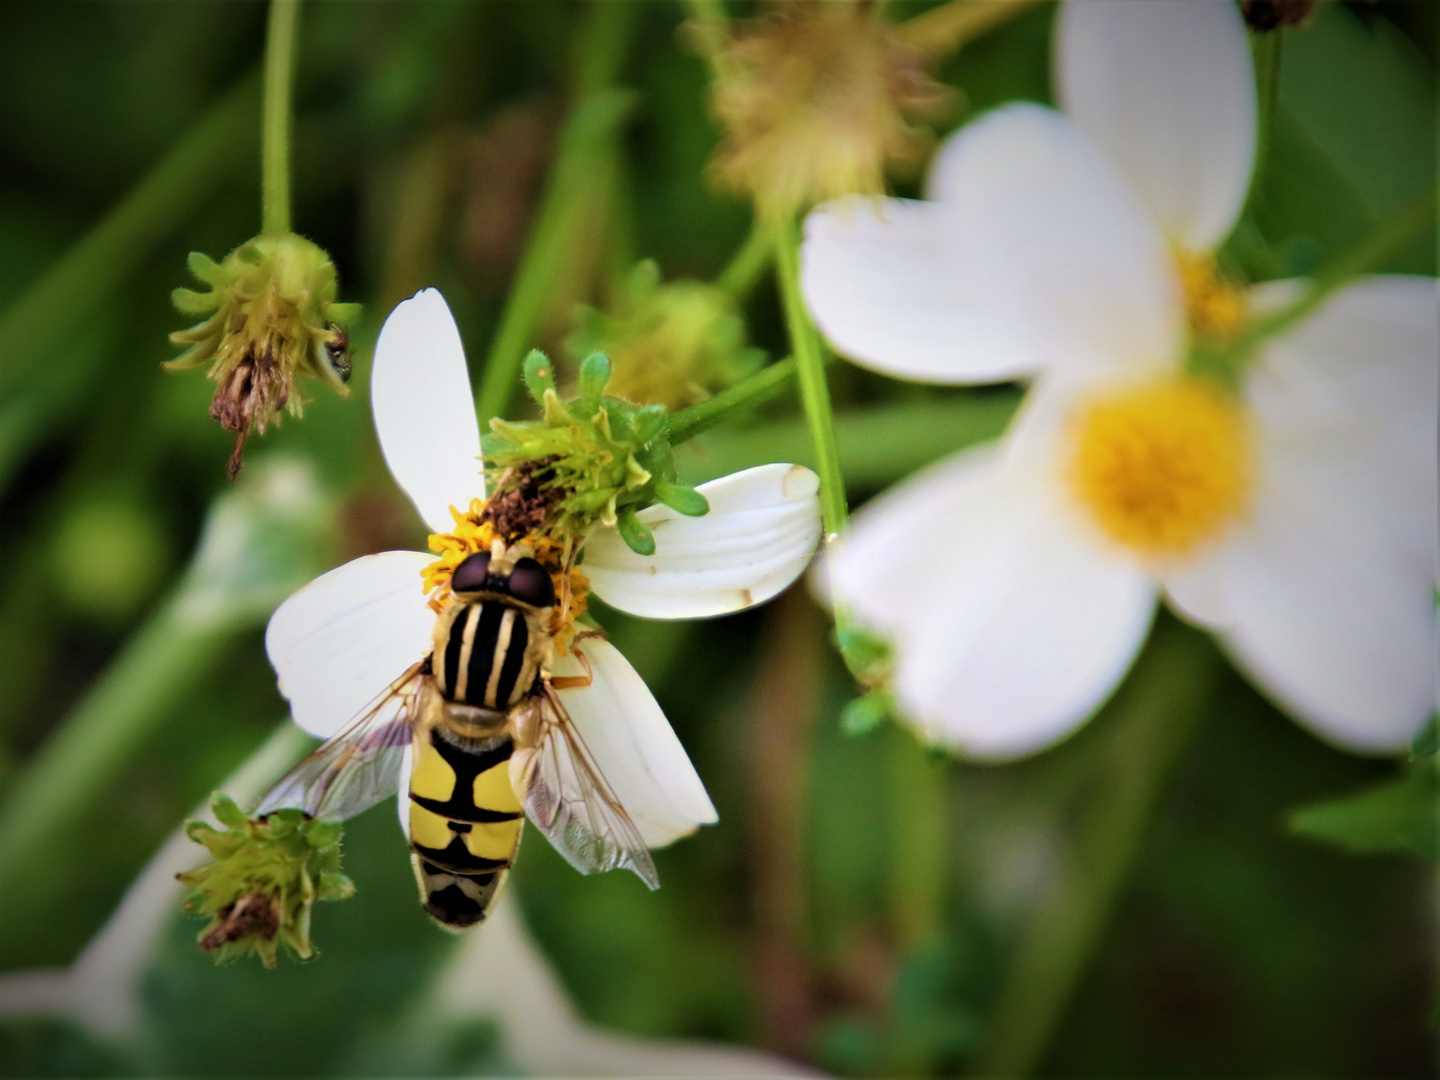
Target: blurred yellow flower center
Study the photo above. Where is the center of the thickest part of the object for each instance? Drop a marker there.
(472, 534)
(1163, 466)
(1214, 305)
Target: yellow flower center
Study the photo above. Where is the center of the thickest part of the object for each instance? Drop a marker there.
(1214, 305)
(1162, 466)
(471, 534)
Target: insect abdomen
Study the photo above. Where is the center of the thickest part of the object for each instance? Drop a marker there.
(465, 824)
(487, 660)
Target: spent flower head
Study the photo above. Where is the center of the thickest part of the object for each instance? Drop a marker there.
(595, 460)
(816, 100)
(671, 344)
(272, 316)
(264, 879)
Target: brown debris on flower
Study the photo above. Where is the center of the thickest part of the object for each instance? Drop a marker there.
(817, 99)
(272, 316)
(522, 500)
(252, 915)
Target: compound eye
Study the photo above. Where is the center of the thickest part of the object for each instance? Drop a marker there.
(470, 575)
(530, 583)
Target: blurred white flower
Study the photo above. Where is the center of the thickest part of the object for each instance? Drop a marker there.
(1296, 517)
(340, 642)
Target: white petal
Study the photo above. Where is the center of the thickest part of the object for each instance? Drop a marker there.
(341, 640)
(424, 411)
(1326, 592)
(1011, 625)
(761, 530)
(880, 280)
(634, 746)
(1168, 89)
(1051, 240)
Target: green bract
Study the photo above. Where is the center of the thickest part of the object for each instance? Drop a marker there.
(266, 877)
(673, 344)
(272, 315)
(590, 461)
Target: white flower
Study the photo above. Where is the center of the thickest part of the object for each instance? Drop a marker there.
(1296, 518)
(339, 642)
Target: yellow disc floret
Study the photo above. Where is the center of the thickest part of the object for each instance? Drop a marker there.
(1162, 466)
(472, 534)
(1214, 305)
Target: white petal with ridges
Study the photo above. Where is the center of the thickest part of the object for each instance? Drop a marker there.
(339, 642)
(1326, 592)
(760, 533)
(1051, 241)
(424, 411)
(634, 746)
(880, 281)
(1011, 625)
(1168, 90)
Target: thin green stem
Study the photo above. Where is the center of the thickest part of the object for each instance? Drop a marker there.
(1266, 48)
(748, 263)
(1364, 257)
(713, 25)
(765, 384)
(944, 29)
(1145, 730)
(564, 208)
(919, 843)
(814, 391)
(278, 114)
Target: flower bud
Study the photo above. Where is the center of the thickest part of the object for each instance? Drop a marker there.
(673, 344)
(817, 98)
(272, 315)
(593, 460)
(265, 877)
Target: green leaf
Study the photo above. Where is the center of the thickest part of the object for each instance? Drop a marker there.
(1398, 815)
(683, 500)
(636, 536)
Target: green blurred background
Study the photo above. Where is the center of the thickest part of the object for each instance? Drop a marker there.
(860, 902)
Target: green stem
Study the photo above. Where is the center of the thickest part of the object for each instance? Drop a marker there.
(588, 132)
(1267, 49)
(920, 839)
(765, 384)
(944, 29)
(278, 113)
(69, 780)
(748, 263)
(1364, 257)
(714, 26)
(1145, 731)
(86, 275)
(814, 392)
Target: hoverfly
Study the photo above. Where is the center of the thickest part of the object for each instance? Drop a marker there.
(478, 730)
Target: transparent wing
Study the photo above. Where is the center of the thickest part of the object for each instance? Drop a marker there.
(359, 765)
(569, 800)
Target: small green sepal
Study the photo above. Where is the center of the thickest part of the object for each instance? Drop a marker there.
(539, 375)
(866, 713)
(682, 499)
(594, 374)
(636, 536)
(264, 878)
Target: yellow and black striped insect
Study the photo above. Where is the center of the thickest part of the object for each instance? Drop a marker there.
(479, 731)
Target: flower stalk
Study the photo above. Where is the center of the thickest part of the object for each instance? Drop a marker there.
(814, 391)
(279, 110)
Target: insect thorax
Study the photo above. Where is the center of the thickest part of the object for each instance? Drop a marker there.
(488, 652)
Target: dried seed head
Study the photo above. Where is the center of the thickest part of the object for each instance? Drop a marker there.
(272, 317)
(817, 99)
